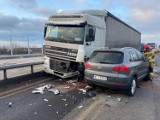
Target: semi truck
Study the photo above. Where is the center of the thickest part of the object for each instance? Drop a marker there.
(71, 37)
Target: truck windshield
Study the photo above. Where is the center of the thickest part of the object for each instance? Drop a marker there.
(69, 34)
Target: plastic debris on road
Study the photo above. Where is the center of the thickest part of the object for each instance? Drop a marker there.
(45, 100)
(80, 106)
(42, 88)
(109, 96)
(10, 104)
(57, 112)
(71, 81)
(67, 87)
(54, 90)
(66, 104)
(119, 99)
(49, 105)
(64, 99)
(83, 90)
(35, 113)
(37, 91)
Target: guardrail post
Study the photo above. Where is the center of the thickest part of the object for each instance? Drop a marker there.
(31, 68)
(5, 73)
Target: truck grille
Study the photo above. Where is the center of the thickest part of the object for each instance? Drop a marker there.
(59, 65)
(61, 53)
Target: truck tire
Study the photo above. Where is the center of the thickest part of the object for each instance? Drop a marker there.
(132, 88)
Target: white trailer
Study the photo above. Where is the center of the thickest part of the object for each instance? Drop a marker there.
(70, 38)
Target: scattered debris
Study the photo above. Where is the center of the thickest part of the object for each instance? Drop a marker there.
(109, 96)
(82, 90)
(10, 104)
(42, 88)
(88, 88)
(57, 112)
(71, 81)
(90, 94)
(48, 86)
(67, 87)
(37, 91)
(80, 106)
(64, 99)
(54, 90)
(119, 99)
(66, 104)
(35, 113)
(45, 100)
(49, 105)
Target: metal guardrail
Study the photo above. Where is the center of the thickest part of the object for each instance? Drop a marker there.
(4, 68)
(15, 56)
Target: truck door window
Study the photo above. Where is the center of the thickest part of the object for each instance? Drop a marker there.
(90, 33)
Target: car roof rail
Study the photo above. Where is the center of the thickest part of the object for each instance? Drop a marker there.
(126, 48)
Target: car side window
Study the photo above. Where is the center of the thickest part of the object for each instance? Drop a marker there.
(134, 55)
(130, 56)
(140, 56)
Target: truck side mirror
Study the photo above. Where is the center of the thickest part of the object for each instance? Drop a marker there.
(90, 36)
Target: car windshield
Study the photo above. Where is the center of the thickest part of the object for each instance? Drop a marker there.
(70, 34)
(109, 57)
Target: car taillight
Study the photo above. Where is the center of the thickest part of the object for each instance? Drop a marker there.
(87, 65)
(121, 68)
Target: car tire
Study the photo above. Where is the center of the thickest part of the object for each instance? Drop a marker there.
(132, 88)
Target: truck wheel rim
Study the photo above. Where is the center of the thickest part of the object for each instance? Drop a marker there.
(133, 87)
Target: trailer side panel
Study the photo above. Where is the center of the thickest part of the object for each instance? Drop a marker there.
(119, 34)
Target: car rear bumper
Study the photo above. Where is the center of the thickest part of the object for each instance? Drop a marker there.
(108, 85)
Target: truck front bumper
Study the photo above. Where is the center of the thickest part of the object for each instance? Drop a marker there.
(61, 75)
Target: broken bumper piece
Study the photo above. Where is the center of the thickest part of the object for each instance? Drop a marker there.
(67, 75)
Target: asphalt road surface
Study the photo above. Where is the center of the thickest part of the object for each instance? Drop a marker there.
(72, 104)
(17, 102)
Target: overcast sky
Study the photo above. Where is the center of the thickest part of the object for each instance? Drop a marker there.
(24, 19)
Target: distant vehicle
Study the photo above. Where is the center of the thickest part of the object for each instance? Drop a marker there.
(71, 37)
(117, 68)
(152, 45)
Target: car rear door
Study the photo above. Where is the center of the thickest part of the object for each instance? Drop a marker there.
(137, 64)
(144, 64)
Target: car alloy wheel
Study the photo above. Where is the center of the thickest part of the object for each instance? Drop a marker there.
(132, 88)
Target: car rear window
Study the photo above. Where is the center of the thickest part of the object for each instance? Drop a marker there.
(107, 57)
